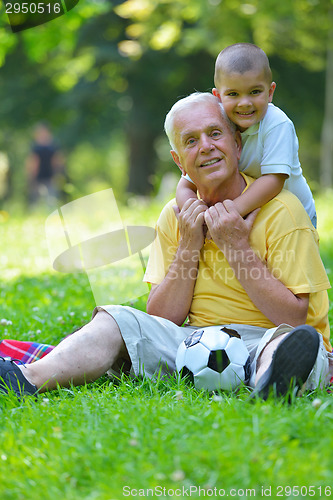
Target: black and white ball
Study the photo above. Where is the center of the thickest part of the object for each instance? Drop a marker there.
(214, 358)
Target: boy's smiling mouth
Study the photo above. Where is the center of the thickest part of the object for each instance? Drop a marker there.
(243, 113)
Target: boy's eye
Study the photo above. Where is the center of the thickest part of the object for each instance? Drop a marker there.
(232, 94)
(256, 91)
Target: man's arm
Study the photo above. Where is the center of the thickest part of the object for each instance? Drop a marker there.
(231, 234)
(172, 298)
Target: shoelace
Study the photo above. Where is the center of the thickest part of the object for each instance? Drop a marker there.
(12, 360)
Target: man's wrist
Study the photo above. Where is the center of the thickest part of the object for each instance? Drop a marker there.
(188, 250)
(186, 254)
(240, 255)
(247, 265)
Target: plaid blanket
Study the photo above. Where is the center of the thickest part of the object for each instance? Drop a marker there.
(26, 352)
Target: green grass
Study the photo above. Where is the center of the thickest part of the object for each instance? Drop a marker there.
(105, 441)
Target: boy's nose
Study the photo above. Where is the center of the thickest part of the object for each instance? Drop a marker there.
(244, 101)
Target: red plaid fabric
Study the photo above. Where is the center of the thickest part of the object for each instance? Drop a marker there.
(26, 352)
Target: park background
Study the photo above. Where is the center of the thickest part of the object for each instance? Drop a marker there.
(103, 76)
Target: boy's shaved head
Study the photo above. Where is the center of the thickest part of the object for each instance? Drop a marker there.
(239, 58)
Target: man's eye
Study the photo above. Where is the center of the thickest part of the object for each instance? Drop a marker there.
(190, 141)
(216, 133)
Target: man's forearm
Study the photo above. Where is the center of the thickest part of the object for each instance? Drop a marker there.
(267, 293)
(172, 298)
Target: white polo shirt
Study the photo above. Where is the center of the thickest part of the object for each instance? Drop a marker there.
(271, 147)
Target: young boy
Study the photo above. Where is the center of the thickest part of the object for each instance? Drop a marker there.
(243, 81)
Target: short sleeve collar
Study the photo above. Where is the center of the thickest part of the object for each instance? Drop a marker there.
(253, 130)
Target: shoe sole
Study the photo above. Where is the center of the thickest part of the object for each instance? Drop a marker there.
(290, 362)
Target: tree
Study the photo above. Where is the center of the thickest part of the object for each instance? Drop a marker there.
(326, 166)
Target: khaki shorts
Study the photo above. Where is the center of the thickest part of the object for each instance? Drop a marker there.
(152, 344)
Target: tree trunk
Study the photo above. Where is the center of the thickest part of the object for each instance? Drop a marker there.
(142, 155)
(326, 164)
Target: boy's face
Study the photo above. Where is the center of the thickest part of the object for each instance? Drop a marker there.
(245, 97)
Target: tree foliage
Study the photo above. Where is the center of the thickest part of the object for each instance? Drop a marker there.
(110, 66)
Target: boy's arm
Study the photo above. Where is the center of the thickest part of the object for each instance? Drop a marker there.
(185, 190)
(261, 191)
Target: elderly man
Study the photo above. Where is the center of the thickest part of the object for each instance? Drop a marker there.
(262, 275)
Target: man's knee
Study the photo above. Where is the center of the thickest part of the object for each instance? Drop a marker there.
(107, 325)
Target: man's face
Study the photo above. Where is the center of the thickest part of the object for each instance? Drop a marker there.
(207, 150)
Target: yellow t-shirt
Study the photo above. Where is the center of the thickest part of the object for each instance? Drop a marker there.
(282, 236)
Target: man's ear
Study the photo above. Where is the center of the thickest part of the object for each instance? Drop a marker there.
(238, 139)
(216, 93)
(271, 91)
(176, 159)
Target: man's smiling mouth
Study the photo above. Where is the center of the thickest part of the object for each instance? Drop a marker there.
(210, 162)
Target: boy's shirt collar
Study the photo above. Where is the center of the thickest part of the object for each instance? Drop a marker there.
(253, 130)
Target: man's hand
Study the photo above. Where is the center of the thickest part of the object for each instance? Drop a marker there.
(172, 298)
(227, 228)
(191, 223)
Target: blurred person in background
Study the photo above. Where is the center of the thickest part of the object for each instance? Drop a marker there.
(45, 167)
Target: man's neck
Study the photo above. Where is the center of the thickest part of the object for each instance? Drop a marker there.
(224, 192)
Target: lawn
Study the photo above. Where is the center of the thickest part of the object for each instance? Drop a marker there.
(140, 438)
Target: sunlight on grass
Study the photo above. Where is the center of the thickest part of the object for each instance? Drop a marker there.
(24, 249)
(324, 205)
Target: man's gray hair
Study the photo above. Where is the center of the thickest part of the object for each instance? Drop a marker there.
(186, 103)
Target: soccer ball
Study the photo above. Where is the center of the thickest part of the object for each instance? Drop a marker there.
(214, 358)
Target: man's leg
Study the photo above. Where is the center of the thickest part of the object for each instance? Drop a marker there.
(82, 357)
(144, 343)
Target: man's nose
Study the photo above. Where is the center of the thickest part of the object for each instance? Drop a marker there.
(206, 143)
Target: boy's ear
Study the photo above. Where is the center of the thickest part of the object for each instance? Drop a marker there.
(216, 93)
(176, 159)
(271, 91)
